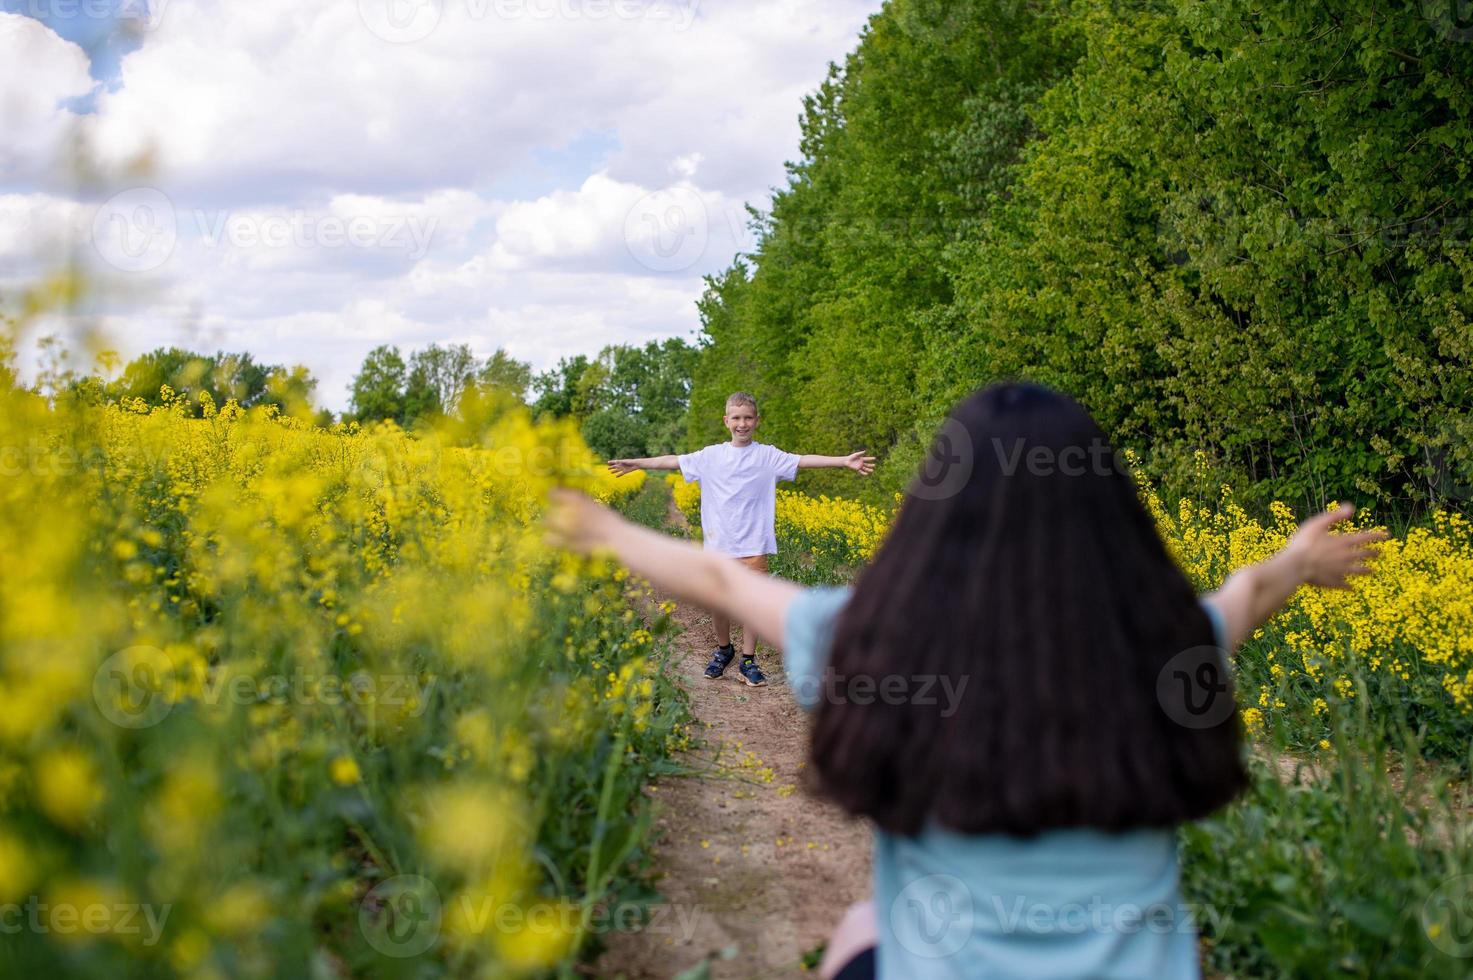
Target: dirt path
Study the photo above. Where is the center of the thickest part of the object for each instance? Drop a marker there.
(750, 866)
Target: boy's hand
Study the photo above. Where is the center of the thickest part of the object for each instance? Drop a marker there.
(860, 463)
(1328, 560)
(576, 522)
(619, 467)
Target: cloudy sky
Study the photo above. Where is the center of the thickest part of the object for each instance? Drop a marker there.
(306, 179)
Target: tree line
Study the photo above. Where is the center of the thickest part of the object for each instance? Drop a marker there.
(196, 380)
(1238, 232)
(628, 400)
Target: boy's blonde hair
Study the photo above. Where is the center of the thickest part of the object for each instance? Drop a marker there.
(741, 398)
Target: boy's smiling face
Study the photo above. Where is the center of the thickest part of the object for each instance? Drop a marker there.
(741, 421)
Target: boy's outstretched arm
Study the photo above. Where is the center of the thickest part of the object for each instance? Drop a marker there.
(579, 523)
(1313, 556)
(621, 466)
(858, 462)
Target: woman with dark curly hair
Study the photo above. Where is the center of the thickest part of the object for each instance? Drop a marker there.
(1022, 692)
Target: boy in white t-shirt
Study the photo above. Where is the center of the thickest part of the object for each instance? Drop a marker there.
(738, 503)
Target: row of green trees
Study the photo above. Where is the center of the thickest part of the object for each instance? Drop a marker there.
(430, 383)
(193, 377)
(631, 401)
(1235, 228)
(628, 400)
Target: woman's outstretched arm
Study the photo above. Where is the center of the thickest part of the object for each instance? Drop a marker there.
(1313, 556)
(721, 584)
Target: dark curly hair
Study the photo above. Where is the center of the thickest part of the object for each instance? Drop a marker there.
(1040, 581)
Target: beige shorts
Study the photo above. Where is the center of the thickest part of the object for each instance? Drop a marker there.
(758, 563)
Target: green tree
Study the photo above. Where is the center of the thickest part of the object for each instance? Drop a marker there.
(903, 148)
(504, 372)
(184, 371)
(378, 388)
(1240, 233)
(1239, 230)
(292, 391)
(615, 434)
(437, 378)
(653, 383)
(636, 398)
(557, 389)
(238, 377)
(222, 376)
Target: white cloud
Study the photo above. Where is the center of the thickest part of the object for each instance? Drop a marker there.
(557, 182)
(609, 224)
(41, 71)
(687, 165)
(287, 94)
(37, 231)
(564, 225)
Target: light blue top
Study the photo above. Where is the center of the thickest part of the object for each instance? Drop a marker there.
(1063, 904)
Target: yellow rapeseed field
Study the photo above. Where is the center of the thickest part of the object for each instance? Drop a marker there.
(276, 699)
(280, 701)
(844, 532)
(1405, 634)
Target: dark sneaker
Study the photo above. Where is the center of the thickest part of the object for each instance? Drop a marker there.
(752, 674)
(720, 660)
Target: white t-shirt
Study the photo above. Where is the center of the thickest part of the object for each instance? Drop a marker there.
(739, 495)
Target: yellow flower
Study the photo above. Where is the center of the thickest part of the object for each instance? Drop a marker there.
(344, 770)
(466, 826)
(242, 910)
(185, 808)
(542, 936)
(17, 872)
(67, 787)
(79, 910)
(189, 950)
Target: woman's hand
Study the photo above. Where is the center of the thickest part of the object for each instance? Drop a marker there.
(619, 467)
(1313, 556)
(1329, 560)
(577, 522)
(860, 463)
